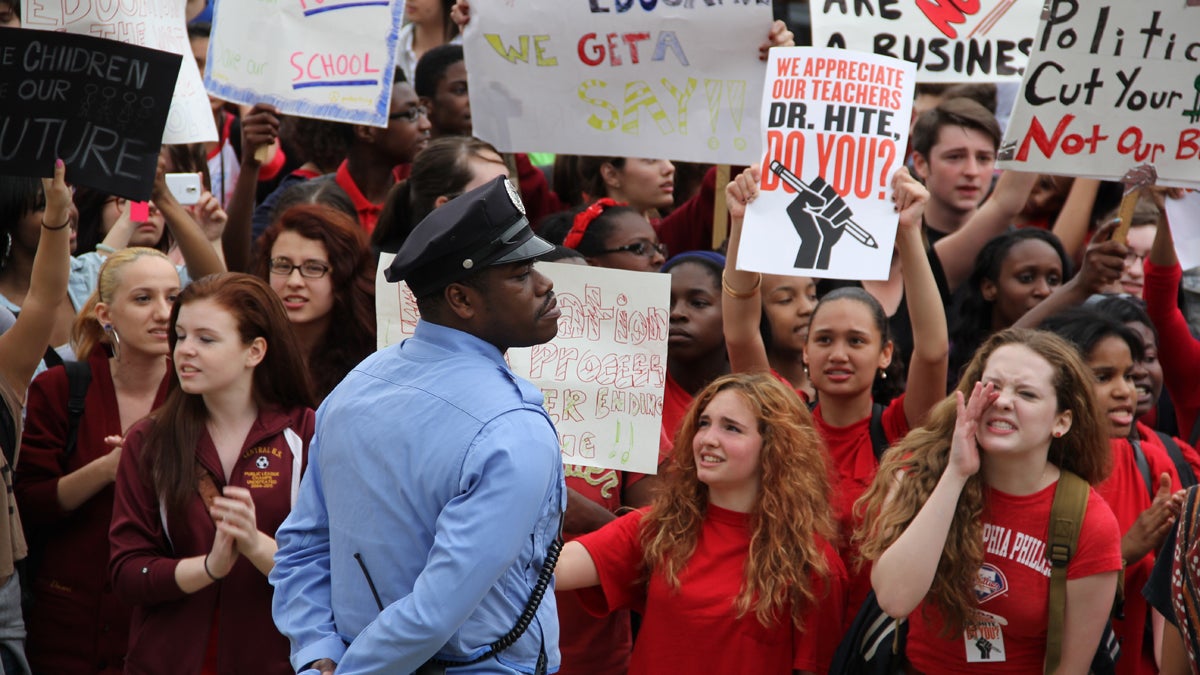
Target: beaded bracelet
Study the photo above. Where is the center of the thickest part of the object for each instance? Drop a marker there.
(734, 293)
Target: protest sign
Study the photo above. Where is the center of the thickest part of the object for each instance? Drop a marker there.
(98, 105)
(648, 78)
(1184, 213)
(1110, 87)
(157, 24)
(948, 40)
(836, 126)
(603, 377)
(331, 59)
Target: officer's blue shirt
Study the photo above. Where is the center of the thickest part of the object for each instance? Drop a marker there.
(437, 465)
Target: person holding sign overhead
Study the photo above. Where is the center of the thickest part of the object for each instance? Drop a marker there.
(465, 498)
(21, 347)
(848, 347)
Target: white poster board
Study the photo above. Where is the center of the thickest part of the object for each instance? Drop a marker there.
(678, 80)
(947, 40)
(836, 125)
(1184, 214)
(330, 59)
(1111, 86)
(158, 25)
(603, 376)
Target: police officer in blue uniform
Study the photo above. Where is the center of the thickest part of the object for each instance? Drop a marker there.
(434, 490)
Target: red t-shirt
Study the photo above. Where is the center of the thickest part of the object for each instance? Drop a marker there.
(1013, 588)
(854, 466)
(591, 644)
(1127, 496)
(694, 629)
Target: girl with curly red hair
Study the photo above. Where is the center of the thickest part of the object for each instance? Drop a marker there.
(731, 566)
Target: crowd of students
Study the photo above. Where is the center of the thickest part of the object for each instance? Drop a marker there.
(809, 452)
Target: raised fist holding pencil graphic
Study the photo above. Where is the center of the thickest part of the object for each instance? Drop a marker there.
(820, 217)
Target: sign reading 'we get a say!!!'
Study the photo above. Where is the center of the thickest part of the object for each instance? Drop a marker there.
(675, 79)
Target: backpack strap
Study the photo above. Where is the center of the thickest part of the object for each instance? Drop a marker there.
(879, 439)
(79, 378)
(8, 434)
(1143, 466)
(1066, 519)
(1186, 476)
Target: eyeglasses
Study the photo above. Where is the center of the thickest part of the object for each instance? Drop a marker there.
(411, 115)
(310, 269)
(1134, 258)
(642, 248)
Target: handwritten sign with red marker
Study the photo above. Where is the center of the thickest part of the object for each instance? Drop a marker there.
(947, 40)
(331, 59)
(640, 78)
(603, 377)
(836, 127)
(1110, 87)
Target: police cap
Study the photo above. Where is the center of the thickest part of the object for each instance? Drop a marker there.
(486, 226)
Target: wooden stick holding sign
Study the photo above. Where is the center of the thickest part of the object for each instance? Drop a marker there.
(720, 228)
(1135, 179)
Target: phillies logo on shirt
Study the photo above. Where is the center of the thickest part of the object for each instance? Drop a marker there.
(990, 583)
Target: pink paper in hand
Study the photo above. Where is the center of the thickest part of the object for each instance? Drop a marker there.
(139, 212)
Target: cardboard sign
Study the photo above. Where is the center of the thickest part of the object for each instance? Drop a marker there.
(100, 106)
(603, 376)
(157, 24)
(331, 59)
(646, 78)
(1110, 87)
(836, 127)
(948, 40)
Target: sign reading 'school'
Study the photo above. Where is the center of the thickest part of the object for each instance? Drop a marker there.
(329, 59)
(98, 105)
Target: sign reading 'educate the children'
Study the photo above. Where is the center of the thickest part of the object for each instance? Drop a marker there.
(157, 24)
(603, 376)
(98, 105)
(1111, 86)
(675, 79)
(330, 59)
(836, 126)
(947, 40)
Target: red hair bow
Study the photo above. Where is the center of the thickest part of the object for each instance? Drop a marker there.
(585, 218)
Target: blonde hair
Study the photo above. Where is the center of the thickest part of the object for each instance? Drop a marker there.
(790, 514)
(922, 456)
(86, 332)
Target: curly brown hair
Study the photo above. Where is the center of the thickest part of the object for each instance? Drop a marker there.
(791, 513)
(350, 337)
(922, 456)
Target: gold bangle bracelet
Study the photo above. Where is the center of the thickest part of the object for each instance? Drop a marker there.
(734, 293)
